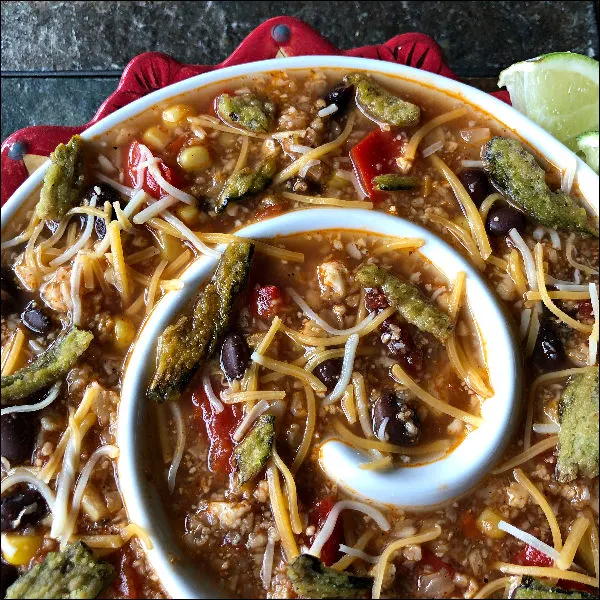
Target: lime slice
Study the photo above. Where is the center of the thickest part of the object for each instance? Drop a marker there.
(587, 143)
(558, 91)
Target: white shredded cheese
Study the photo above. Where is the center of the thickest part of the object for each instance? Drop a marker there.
(538, 233)
(23, 475)
(472, 164)
(359, 554)
(546, 428)
(210, 393)
(123, 189)
(432, 149)
(529, 539)
(105, 164)
(23, 408)
(179, 445)
(329, 525)
(189, 235)
(328, 110)
(299, 148)
(313, 162)
(347, 367)
(528, 261)
(139, 198)
(266, 569)
(80, 243)
(555, 239)
(75, 284)
(382, 436)
(154, 209)
(568, 176)
(258, 409)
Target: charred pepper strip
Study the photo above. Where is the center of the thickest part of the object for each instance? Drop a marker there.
(48, 367)
(578, 451)
(246, 111)
(533, 589)
(312, 579)
(408, 301)
(72, 573)
(183, 346)
(382, 106)
(252, 454)
(516, 173)
(247, 182)
(393, 181)
(63, 181)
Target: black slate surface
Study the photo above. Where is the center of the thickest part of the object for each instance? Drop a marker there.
(92, 41)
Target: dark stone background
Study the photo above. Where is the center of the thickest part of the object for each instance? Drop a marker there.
(61, 59)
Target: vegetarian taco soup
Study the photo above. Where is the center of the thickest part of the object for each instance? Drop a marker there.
(296, 340)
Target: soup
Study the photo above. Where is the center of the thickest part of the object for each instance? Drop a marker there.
(338, 334)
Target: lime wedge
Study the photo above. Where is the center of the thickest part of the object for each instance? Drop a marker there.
(558, 91)
(587, 143)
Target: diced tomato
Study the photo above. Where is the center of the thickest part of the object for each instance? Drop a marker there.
(429, 559)
(469, 526)
(133, 157)
(585, 309)
(266, 300)
(530, 557)
(219, 428)
(330, 552)
(375, 155)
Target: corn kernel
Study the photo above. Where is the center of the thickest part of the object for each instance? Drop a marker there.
(227, 140)
(20, 549)
(124, 333)
(194, 158)
(156, 138)
(170, 247)
(177, 112)
(487, 523)
(93, 504)
(188, 214)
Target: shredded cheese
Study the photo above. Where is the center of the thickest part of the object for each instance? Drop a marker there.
(25, 235)
(153, 285)
(401, 244)
(471, 378)
(288, 369)
(24, 408)
(549, 572)
(179, 445)
(315, 153)
(290, 486)
(458, 290)
(10, 357)
(528, 261)
(23, 475)
(493, 586)
(463, 236)
(360, 545)
(378, 464)
(189, 235)
(248, 420)
(241, 161)
(424, 536)
(567, 554)
(546, 444)
(401, 377)
(155, 208)
(476, 223)
(123, 189)
(558, 295)
(259, 246)
(577, 265)
(360, 393)
(346, 374)
(527, 538)
(541, 282)
(311, 419)
(328, 201)
(516, 272)
(327, 529)
(405, 161)
(280, 515)
(116, 247)
(348, 405)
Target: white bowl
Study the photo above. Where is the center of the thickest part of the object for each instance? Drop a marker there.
(418, 486)
(180, 578)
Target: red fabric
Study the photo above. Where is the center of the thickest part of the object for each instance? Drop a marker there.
(151, 71)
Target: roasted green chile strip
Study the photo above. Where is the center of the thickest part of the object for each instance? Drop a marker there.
(408, 301)
(48, 367)
(72, 573)
(63, 181)
(251, 455)
(516, 173)
(394, 181)
(183, 346)
(578, 437)
(382, 106)
(533, 589)
(246, 111)
(247, 182)
(312, 579)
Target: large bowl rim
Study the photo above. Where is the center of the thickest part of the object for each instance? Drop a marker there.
(531, 133)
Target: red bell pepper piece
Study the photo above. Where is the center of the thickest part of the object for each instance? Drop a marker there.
(330, 552)
(151, 187)
(429, 559)
(219, 428)
(530, 557)
(266, 300)
(376, 155)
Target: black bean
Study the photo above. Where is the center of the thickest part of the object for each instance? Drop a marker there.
(477, 184)
(22, 509)
(340, 95)
(502, 220)
(548, 353)
(34, 318)
(403, 426)
(100, 227)
(102, 193)
(8, 576)
(18, 431)
(235, 355)
(401, 345)
(329, 372)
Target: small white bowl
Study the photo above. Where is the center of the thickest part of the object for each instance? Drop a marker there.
(417, 486)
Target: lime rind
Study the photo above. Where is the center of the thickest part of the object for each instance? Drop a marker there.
(588, 144)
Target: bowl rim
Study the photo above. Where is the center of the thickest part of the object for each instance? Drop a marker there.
(437, 482)
(529, 132)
